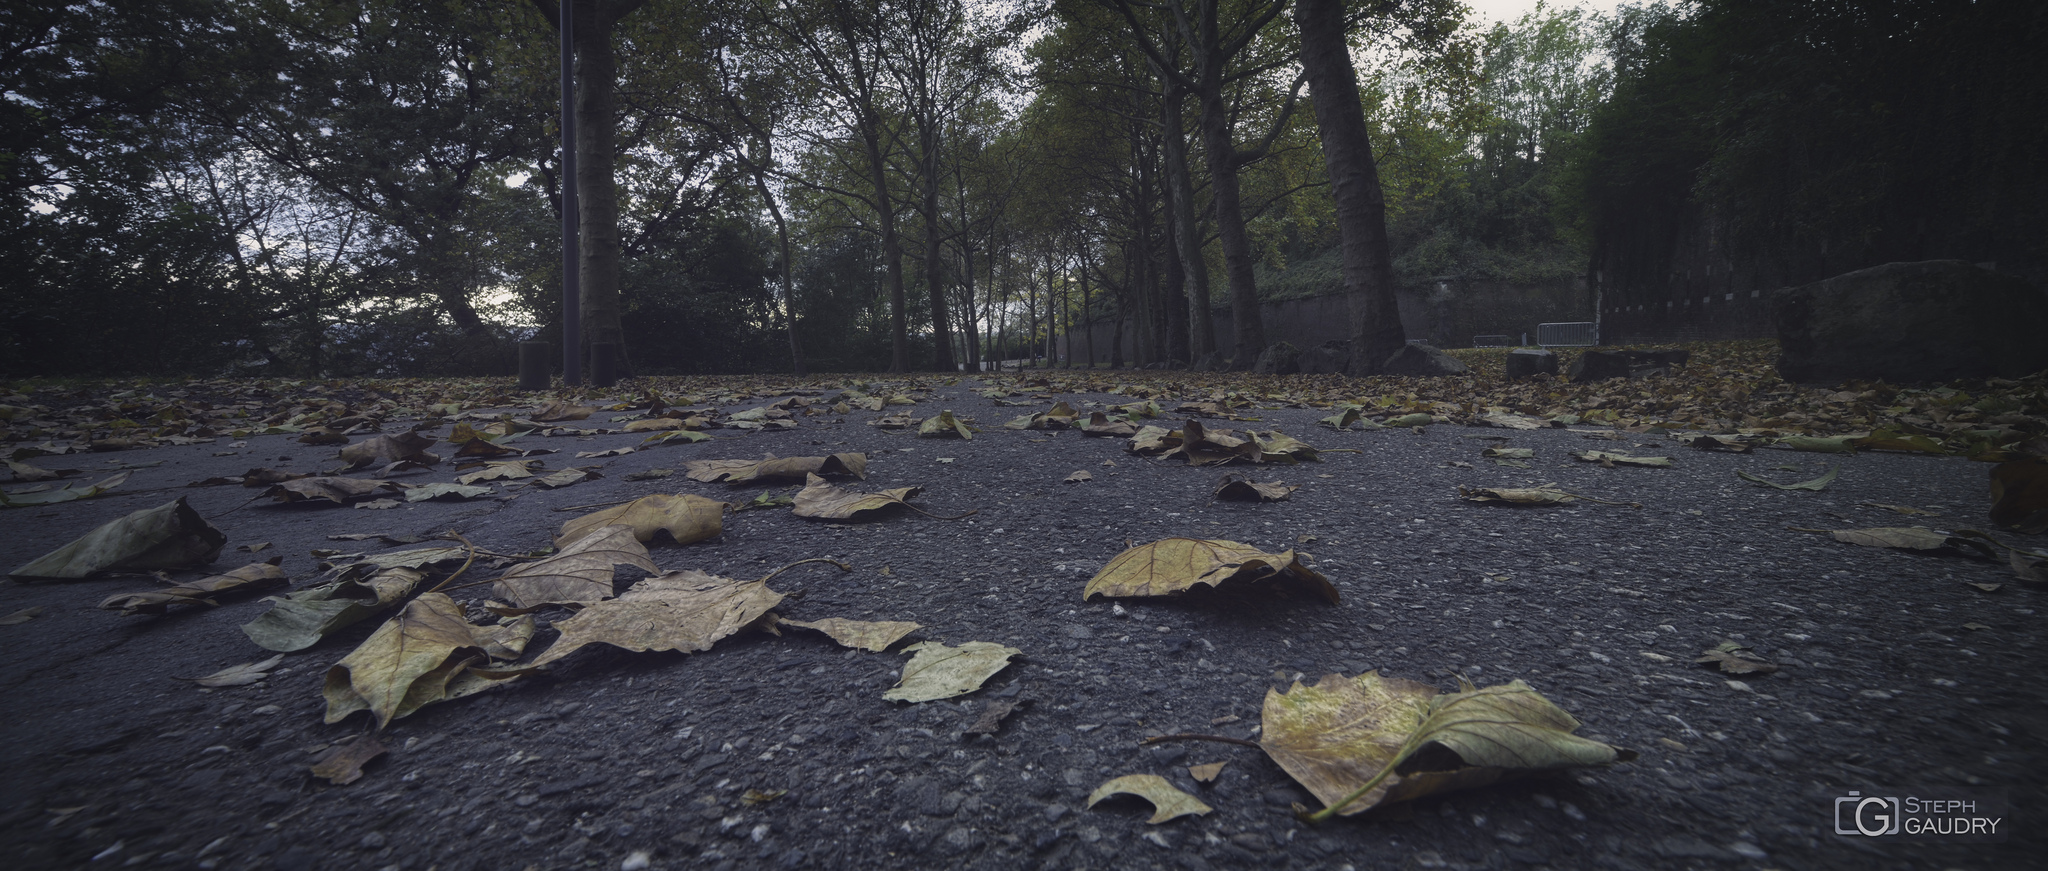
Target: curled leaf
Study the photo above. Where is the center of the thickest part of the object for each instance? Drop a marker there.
(408, 447)
(944, 425)
(774, 469)
(1736, 658)
(301, 618)
(1246, 490)
(685, 518)
(1816, 484)
(197, 592)
(580, 573)
(1517, 495)
(1175, 565)
(823, 501)
(239, 675)
(343, 764)
(170, 536)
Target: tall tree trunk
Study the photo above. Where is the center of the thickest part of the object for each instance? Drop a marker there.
(1176, 300)
(1237, 245)
(1354, 185)
(1187, 229)
(934, 271)
(597, 214)
(892, 251)
(796, 350)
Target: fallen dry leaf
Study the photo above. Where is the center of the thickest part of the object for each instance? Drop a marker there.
(1246, 490)
(1077, 478)
(686, 519)
(1346, 739)
(1816, 484)
(1175, 565)
(338, 490)
(824, 501)
(772, 468)
(686, 611)
(43, 496)
(581, 572)
(944, 425)
(301, 618)
(410, 447)
(941, 672)
(1516, 495)
(168, 537)
(343, 764)
(22, 616)
(496, 470)
(872, 636)
(1167, 801)
(1613, 458)
(1911, 538)
(991, 719)
(1206, 773)
(251, 576)
(239, 675)
(444, 490)
(1735, 658)
(566, 477)
(2019, 495)
(404, 665)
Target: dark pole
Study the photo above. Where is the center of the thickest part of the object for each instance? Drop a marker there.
(572, 292)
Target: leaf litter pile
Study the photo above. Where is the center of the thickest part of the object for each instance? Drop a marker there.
(1154, 660)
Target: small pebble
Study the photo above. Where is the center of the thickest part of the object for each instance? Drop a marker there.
(638, 860)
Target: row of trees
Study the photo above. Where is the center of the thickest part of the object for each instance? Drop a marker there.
(313, 186)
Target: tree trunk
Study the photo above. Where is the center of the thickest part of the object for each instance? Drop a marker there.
(1230, 230)
(796, 350)
(934, 272)
(1187, 231)
(892, 251)
(1354, 185)
(597, 213)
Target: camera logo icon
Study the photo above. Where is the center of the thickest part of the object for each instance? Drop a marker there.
(1867, 815)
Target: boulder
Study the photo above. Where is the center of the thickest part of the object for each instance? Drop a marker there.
(1600, 366)
(1422, 361)
(1210, 362)
(1935, 320)
(1279, 358)
(1528, 362)
(1328, 358)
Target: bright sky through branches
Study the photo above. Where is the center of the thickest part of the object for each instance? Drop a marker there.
(1509, 10)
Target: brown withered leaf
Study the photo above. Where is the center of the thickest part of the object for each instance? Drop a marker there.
(338, 490)
(1175, 565)
(687, 611)
(558, 410)
(1077, 478)
(343, 764)
(873, 636)
(496, 470)
(1355, 742)
(944, 426)
(1545, 495)
(388, 674)
(22, 616)
(2019, 495)
(685, 518)
(472, 444)
(823, 501)
(1100, 424)
(1735, 658)
(772, 468)
(266, 477)
(581, 572)
(940, 672)
(655, 424)
(1913, 538)
(1206, 773)
(567, 477)
(593, 455)
(385, 449)
(320, 435)
(1246, 490)
(301, 618)
(251, 576)
(27, 473)
(991, 719)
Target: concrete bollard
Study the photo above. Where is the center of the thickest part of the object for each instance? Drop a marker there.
(533, 365)
(603, 365)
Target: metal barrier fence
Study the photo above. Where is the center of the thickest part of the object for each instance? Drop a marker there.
(1582, 334)
(1493, 341)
